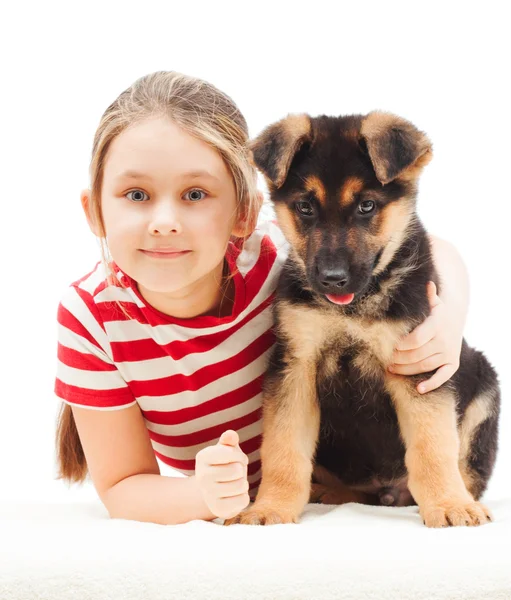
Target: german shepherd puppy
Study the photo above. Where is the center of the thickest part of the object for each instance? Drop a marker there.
(344, 191)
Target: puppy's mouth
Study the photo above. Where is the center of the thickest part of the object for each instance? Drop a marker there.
(344, 299)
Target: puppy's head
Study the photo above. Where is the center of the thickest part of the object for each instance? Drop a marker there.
(344, 192)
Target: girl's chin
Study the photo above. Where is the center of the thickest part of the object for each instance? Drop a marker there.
(148, 288)
(178, 285)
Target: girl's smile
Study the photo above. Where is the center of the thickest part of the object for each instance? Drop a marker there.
(165, 253)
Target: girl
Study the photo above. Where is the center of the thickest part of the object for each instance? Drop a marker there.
(173, 326)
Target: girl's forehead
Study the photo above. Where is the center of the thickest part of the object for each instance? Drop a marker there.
(157, 145)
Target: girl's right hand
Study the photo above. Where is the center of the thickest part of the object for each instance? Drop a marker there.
(221, 474)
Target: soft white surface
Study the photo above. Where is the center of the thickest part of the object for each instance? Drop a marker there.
(71, 550)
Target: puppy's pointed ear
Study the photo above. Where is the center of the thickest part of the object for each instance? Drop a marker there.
(273, 150)
(395, 146)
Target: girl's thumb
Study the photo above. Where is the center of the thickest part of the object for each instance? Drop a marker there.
(229, 438)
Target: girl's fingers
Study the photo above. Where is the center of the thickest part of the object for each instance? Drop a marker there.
(230, 507)
(404, 357)
(428, 364)
(228, 489)
(440, 377)
(230, 472)
(229, 438)
(223, 455)
(433, 298)
(420, 336)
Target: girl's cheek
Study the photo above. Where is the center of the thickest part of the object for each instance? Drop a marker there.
(125, 224)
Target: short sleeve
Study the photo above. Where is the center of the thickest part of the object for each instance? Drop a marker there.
(86, 374)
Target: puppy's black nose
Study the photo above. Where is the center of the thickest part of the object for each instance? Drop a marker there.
(332, 279)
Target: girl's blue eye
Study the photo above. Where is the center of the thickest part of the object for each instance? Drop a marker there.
(139, 195)
(195, 192)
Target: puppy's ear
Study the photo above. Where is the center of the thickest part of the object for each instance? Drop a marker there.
(395, 146)
(274, 149)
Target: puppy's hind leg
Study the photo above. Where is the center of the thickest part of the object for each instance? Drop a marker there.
(478, 432)
(326, 488)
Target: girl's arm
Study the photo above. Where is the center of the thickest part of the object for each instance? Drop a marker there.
(453, 274)
(436, 342)
(125, 473)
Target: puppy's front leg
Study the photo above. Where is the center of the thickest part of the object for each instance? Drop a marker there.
(429, 430)
(290, 432)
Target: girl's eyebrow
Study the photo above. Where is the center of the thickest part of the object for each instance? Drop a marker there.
(130, 174)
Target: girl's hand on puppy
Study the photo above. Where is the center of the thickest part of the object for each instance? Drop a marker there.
(221, 474)
(434, 344)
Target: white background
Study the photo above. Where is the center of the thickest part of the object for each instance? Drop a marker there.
(443, 66)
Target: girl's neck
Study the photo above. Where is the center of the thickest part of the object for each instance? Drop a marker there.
(213, 296)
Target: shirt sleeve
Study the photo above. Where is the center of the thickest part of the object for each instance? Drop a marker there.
(86, 374)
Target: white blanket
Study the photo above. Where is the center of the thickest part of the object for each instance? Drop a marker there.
(73, 550)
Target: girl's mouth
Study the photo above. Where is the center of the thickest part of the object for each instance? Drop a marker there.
(165, 253)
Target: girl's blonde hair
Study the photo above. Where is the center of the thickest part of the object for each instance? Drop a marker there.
(201, 110)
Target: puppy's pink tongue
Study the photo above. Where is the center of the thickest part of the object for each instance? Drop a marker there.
(340, 299)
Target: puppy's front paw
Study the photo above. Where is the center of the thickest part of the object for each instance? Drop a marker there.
(455, 513)
(262, 516)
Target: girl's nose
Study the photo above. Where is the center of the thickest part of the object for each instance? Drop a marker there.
(165, 218)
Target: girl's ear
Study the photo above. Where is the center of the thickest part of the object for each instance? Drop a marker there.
(87, 209)
(243, 227)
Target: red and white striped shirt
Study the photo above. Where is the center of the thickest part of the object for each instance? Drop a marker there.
(192, 378)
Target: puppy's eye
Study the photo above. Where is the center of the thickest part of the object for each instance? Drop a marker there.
(304, 208)
(366, 206)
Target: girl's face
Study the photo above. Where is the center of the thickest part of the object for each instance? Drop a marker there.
(169, 207)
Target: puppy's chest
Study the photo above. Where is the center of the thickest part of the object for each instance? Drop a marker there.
(336, 343)
(351, 390)
(349, 378)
